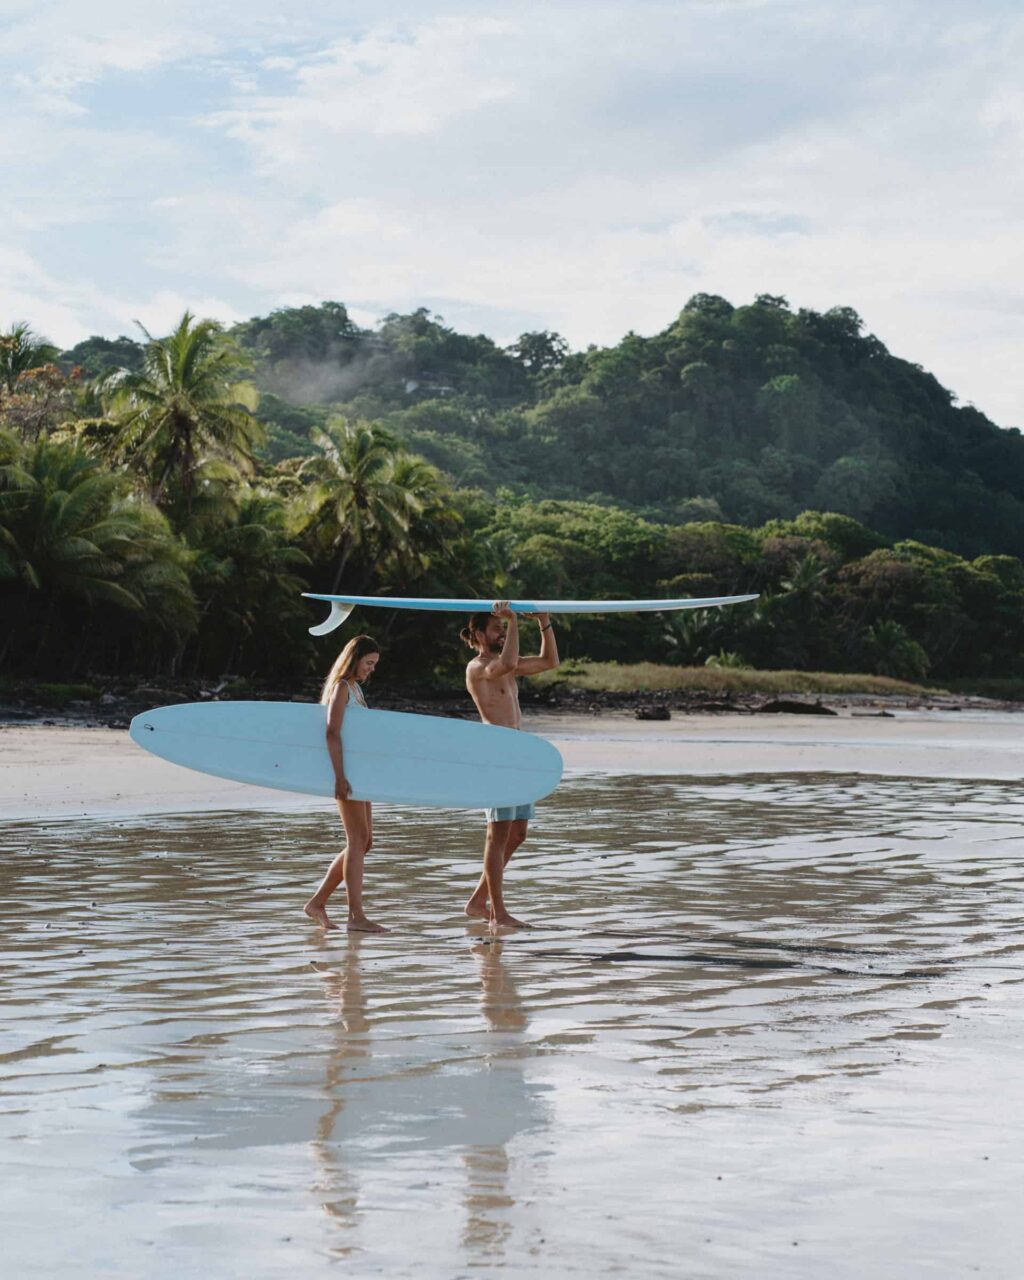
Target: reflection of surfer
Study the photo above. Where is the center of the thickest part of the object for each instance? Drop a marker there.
(491, 681)
(499, 997)
(506, 1108)
(337, 1188)
(353, 668)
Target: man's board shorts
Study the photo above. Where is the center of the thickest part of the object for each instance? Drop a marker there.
(517, 813)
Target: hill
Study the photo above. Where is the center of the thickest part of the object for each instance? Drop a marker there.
(741, 414)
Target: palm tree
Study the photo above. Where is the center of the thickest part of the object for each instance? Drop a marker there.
(435, 527)
(21, 350)
(686, 634)
(893, 651)
(79, 552)
(253, 614)
(352, 506)
(188, 404)
(808, 579)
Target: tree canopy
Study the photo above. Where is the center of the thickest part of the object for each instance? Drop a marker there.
(175, 515)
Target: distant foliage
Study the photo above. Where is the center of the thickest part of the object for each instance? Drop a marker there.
(158, 514)
(21, 351)
(90, 574)
(748, 413)
(745, 414)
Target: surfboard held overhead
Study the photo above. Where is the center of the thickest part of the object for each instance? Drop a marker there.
(342, 606)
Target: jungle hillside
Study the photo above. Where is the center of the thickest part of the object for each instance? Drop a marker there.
(165, 499)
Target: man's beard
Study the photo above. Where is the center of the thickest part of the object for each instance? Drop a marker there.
(497, 646)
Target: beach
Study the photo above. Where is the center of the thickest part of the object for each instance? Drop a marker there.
(52, 771)
(767, 1023)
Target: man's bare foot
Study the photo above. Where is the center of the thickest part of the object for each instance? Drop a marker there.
(478, 910)
(507, 922)
(361, 925)
(318, 915)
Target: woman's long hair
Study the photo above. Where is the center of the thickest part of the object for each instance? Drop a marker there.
(346, 662)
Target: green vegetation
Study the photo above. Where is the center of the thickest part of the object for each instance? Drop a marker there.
(164, 502)
(59, 695)
(1005, 690)
(741, 414)
(650, 677)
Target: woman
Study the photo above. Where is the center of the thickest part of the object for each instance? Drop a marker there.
(354, 666)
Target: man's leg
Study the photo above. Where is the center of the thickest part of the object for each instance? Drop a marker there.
(494, 868)
(477, 906)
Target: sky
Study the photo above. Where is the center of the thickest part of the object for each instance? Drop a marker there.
(582, 167)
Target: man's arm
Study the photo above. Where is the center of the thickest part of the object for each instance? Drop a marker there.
(508, 660)
(548, 657)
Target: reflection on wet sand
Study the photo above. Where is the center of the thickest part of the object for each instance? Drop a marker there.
(757, 1012)
(487, 1199)
(336, 1186)
(482, 1106)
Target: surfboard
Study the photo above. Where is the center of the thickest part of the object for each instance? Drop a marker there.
(342, 606)
(390, 756)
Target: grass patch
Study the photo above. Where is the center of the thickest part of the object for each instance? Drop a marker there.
(59, 695)
(237, 688)
(650, 677)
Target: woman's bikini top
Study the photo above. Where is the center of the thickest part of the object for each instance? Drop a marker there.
(355, 690)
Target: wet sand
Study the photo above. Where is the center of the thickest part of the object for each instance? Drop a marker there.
(769, 1026)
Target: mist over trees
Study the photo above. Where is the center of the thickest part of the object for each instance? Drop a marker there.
(741, 413)
(164, 500)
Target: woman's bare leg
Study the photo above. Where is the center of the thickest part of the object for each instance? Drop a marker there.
(316, 907)
(348, 867)
(360, 838)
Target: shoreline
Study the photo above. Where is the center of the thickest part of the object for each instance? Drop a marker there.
(50, 771)
(115, 710)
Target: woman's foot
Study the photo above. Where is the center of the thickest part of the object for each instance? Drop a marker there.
(478, 908)
(318, 914)
(360, 924)
(505, 921)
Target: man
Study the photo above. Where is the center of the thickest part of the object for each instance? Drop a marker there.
(491, 681)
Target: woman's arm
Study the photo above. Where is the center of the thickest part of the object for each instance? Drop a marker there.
(335, 715)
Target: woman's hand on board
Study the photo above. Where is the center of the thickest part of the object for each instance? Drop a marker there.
(342, 788)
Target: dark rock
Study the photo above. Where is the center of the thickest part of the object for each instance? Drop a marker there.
(791, 707)
(653, 713)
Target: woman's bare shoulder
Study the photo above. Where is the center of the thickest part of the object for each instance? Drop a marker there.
(339, 697)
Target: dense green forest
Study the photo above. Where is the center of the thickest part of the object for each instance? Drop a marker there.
(164, 501)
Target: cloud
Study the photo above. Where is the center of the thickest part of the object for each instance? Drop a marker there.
(388, 82)
(50, 65)
(571, 166)
(67, 312)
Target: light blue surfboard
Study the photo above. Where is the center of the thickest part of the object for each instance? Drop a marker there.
(342, 606)
(390, 756)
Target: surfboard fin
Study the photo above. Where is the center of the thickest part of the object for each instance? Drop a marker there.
(339, 612)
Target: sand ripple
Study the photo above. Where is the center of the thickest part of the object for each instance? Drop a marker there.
(764, 1027)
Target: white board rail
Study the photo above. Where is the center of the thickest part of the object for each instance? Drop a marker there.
(342, 606)
(390, 756)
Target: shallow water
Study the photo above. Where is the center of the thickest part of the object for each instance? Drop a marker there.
(766, 1028)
